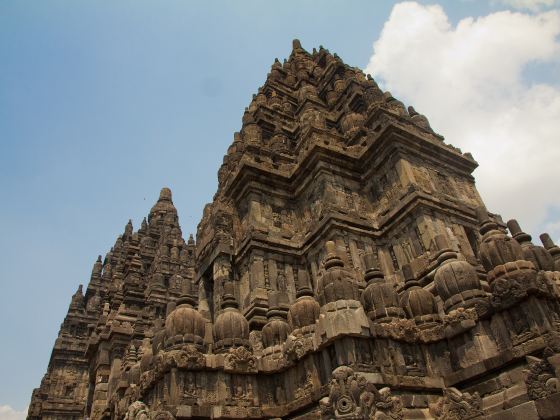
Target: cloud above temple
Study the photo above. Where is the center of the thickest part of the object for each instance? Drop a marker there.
(533, 5)
(8, 413)
(468, 79)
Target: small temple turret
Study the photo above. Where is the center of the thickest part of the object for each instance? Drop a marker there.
(418, 303)
(538, 255)
(336, 283)
(497, 248)
(231, 329)
(77, 303)
(276, 330)
(552, 248)
(305, 310)
(456, 280)
(380, 298)
(185, 325)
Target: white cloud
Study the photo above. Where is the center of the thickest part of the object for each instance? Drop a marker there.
(533, 5)
(8, 413)
(468, 80)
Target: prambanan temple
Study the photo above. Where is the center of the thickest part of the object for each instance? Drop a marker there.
(347, 268)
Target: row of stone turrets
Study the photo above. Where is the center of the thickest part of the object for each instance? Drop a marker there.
(456, 282)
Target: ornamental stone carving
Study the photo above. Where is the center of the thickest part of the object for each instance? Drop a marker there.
(137, 411)
(457, 405)
(187, 358)
(541, 379)
(240, 359)
(298, 345)
(351, 396)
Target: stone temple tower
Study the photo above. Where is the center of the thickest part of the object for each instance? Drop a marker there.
(346, 269)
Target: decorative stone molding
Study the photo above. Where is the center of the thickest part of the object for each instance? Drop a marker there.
(511, 283)
(397, 329)
(351, 396)
(137, 411)
(163, 415)
(540, 378)
(297, 346)
(140, 411)
(457, 405)
(406, 330)
(459, 320)
(255, 340)
(240, 359)
(304, 389)
(186, 358)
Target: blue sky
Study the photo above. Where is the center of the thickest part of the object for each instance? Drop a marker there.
(104, 103)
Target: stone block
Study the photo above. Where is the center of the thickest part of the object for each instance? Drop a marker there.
(526, 411)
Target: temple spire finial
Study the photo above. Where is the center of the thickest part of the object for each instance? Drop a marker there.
(332, 259)
(163, 207)
(128, 229)
(165, 194)
(303, 285)
(517, 233)
(77, 302)
(228, 300)
(372, 272)
(186, 297)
